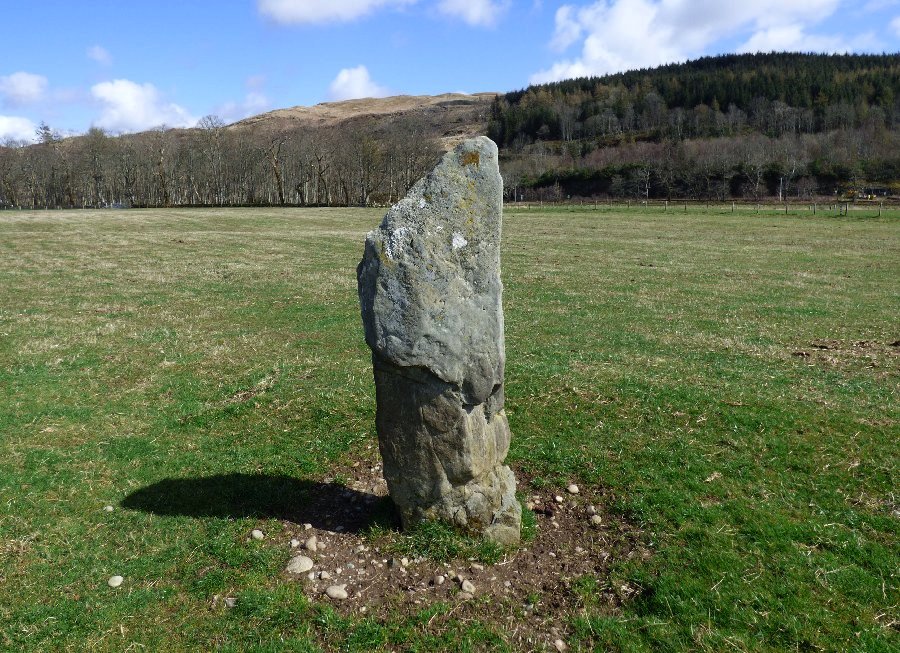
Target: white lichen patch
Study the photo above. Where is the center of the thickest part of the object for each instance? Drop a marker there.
(459, 241)
(422, 203)
(393, 247)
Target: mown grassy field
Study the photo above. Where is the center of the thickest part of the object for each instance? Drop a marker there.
(731, 382)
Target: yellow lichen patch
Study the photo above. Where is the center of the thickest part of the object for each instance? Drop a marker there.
(471, 158)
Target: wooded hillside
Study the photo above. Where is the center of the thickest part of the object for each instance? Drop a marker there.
(728, 126)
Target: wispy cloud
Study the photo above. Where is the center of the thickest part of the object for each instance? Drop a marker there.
(317, 11)
(99, 54)
(895, 25)
(353, 83)
(479, 13)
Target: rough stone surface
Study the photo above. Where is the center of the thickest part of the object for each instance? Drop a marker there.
(430, 293)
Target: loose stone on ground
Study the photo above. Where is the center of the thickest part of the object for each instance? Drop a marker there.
(337, 592)
(299, 565)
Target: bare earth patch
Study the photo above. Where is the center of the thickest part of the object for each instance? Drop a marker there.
(881, 356)
(531, 594)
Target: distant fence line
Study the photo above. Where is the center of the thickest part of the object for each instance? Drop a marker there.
(673, 206)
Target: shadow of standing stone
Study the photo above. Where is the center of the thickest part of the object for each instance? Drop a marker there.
(430, 294)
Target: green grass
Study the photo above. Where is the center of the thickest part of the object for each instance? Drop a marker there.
(668, 360)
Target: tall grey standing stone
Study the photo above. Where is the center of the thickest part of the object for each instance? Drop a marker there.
(430, 293)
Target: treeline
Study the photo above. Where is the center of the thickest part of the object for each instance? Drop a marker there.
(772, 94)
(357, 163)
(739, 126)
(847, 163)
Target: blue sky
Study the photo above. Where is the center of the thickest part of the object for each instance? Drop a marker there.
(129, 65)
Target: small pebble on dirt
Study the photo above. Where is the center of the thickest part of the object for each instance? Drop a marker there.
(108, 508)
(558, 499)
(312, 544)
(307, 527)
(573, 489)
(257, 534)
(230, 601)
(592, 510)
(596, 520)
(324, 575)
(115, 581)
(337, 592)
(560, 646)
(439, 580)
(467, 586)
(295, 544)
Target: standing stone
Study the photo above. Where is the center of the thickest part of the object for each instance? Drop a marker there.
(430, 292)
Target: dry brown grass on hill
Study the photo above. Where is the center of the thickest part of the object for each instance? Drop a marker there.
(452, 116)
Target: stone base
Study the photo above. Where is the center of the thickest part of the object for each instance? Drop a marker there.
(443, 459)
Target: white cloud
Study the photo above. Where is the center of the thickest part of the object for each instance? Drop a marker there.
(130, 107)
(482, 13)
(627, 34)
(353, 83)
(895, 25)
(318, 11)
(15, 128)
(568, 29)
(22, 88)
(99, 54)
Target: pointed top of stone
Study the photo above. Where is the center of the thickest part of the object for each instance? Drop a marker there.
(429, 281)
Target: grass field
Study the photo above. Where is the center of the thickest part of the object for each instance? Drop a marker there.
(731, 384)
